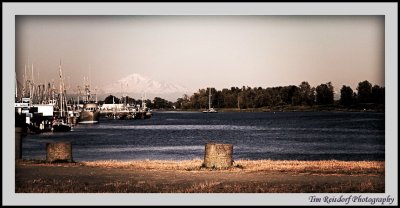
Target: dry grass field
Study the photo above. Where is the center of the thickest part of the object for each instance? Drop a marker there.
(245, 176)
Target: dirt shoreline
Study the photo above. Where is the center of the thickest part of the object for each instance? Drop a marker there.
(246, 176)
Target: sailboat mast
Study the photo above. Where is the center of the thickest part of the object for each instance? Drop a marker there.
(79, 92)
(61, 91)
(33, 80)
(16, 85)
(33, 86)
(24, 84)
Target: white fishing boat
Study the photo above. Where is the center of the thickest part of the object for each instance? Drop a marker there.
(90, 112)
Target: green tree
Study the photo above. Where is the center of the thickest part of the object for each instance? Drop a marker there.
(183, 103)
(305, 95)
(378, 94)
(111, 99)
(346, 95)
(149, 103)
(159, 103)
(203, 98)
(259, 98)
(241, 100)
(324, 94)
(287, 92)
(364, 92)
(128, 100)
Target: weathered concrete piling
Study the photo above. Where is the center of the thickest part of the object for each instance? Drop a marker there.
(59, 152)
(218, 155)
(18, 143)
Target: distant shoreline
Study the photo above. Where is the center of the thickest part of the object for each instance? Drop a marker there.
(283, 109)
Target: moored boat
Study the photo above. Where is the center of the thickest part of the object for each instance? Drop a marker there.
(90, 113)
(60, 126)
(210, 109)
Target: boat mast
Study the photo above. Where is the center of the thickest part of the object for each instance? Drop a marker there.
(33, 86)
(16, 85)
(87, 90)
(79, 93)
(24, 84)
(126, 94)
(61, 91)
(30, 87)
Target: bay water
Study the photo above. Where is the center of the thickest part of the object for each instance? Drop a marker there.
(254, 135)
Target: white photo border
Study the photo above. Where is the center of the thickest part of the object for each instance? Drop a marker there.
(10, 10)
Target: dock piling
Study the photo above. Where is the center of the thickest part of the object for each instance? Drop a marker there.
(59, 152)
(218, 155)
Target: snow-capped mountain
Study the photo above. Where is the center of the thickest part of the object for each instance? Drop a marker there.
(138, 84)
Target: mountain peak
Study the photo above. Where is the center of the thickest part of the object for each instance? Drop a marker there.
(136, 83)
(134, 76)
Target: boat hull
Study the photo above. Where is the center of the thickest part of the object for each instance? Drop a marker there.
(89, 117)
(90, 114)
(142, 115)
(61, 128)
(210, 111)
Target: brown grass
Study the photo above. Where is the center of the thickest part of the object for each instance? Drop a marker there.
(322, 167)
(131, 186)
(148, 164)
(346, 187)
(189, 176)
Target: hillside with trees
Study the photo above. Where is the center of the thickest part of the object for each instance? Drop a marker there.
(303, 97)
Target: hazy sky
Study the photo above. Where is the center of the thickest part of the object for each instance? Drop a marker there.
(201, 51)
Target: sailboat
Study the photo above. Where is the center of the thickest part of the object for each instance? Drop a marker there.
(59, 124)
(210, 109)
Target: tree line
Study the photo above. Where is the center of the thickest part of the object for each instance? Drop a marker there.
(258, 97)
(156, 103)
(301, 95)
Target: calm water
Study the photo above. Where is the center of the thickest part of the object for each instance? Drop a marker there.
(181, 136)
